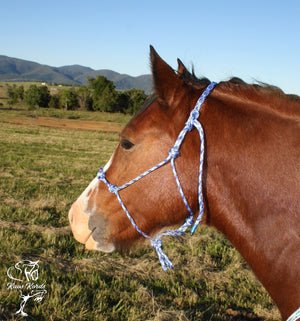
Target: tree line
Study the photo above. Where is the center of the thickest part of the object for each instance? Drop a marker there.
(99, 95)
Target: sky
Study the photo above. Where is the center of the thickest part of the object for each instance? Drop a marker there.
(257, 40)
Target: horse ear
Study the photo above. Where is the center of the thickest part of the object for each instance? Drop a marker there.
(165, 80)
(181, 67)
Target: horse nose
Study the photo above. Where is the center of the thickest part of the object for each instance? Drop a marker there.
(70, 215)
(79, 222)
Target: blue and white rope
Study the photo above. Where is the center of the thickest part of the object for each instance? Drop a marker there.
(295, 316)
(156, 242)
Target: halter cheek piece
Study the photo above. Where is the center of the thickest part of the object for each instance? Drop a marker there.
(295, 316)
(156, 242)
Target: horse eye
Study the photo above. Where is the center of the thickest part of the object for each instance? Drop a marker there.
(126, 144)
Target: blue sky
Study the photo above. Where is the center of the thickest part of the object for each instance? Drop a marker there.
(254, 40)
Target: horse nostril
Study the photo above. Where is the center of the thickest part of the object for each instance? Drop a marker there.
(98, 226)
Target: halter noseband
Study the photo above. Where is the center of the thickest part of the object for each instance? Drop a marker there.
(156, 242)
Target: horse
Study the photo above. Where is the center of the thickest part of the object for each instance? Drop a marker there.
(249, 184)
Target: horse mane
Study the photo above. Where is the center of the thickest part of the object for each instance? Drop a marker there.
(258, 92)
(238, 86)
(269, 96)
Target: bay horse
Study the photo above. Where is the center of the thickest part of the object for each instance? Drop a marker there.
(250, 180)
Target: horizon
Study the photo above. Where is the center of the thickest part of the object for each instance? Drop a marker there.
(71, 66)
(255, 41)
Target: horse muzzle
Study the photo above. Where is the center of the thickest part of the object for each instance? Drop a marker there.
(89, 229)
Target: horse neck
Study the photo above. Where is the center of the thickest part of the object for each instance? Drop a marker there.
(251, 203)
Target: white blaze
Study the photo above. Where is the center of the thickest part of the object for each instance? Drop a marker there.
(87, 192)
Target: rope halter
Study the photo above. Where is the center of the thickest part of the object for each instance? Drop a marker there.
(156, 242)
(295, 316)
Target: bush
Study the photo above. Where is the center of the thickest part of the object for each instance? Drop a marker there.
(37, 97)
(68, 99)
(45, 97)
(55, 101)
(136, 99)
(14, 93)
(32, 96)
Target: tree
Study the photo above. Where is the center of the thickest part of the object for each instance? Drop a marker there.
(123, 101)
(98, 85)
(45, 97)
(84, 98)
(136, 98)
(130, 101)
(55, 101)
(20, 92)
(32, 97)
(37, 96)
(108, 100)
(104, 94)
(14, 93)
(69, 100)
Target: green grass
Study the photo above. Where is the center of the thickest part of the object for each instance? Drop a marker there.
(21, 111)
(43, 170)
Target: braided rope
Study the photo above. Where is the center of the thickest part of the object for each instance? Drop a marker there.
(156, 242)
(295, 316)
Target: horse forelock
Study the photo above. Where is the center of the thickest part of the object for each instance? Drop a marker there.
(191, 79)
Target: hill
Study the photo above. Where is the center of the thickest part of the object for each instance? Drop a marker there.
(14, 69)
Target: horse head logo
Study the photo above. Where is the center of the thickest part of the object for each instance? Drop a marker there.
(27, 268)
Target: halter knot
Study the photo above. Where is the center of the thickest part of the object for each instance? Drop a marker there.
(174, 152)
(113, 188)
(156, 243)
(164, 260)
(189, 220)
(194, 114)
(189, 125)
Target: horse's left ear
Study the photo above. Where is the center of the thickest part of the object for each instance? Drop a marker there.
(165, 80)
(181, 67)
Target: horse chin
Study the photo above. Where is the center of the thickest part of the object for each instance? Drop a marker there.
(91, 244)
(107, 248)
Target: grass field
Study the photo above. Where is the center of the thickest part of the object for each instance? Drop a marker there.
(43, 170)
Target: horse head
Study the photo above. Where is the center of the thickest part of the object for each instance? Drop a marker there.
(96, 218)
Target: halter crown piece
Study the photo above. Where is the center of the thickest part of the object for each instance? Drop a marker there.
(156, 242)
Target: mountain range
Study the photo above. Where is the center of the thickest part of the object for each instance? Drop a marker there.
(14, 69)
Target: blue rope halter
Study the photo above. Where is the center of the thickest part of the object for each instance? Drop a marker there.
(156, 242)
(295, 316)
